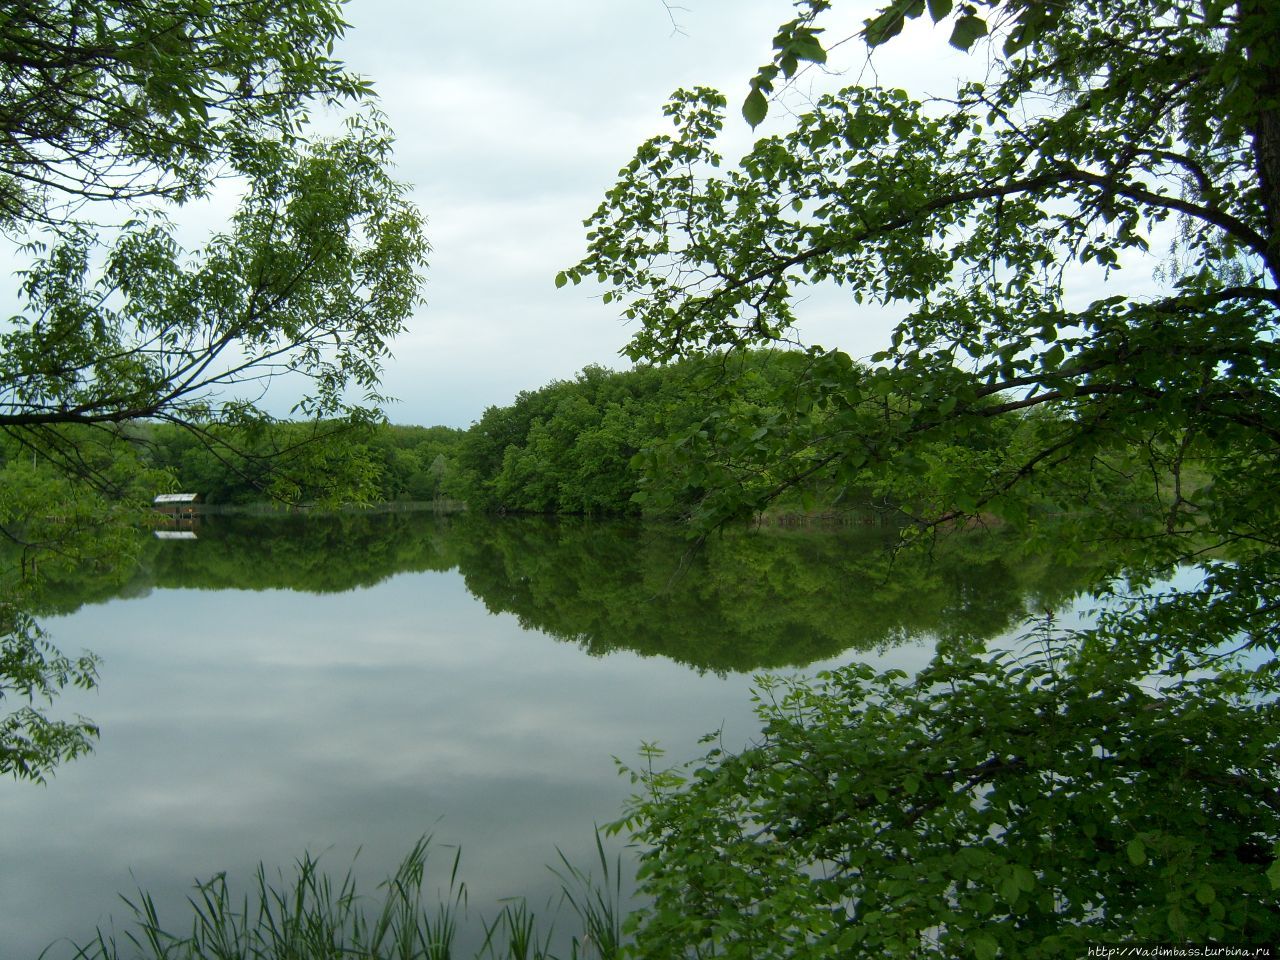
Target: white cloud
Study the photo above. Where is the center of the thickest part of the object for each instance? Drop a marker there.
(512, 119)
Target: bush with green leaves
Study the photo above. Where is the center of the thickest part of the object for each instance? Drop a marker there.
(991, 806)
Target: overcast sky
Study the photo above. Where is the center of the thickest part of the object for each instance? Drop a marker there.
(513, 118)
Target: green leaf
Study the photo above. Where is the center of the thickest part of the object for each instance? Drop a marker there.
(1025, 878)
(939, 9)
(1080, 461)
(883, 28)
(967, 31)
(1136, 850)
(1008, 888)
(755, 108)
(561, 279)
(808, 49)
(985, 947)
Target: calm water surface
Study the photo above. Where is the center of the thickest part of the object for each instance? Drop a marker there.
(348, 684)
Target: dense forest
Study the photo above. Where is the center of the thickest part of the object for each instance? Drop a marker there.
(570, 447)
(606, 443)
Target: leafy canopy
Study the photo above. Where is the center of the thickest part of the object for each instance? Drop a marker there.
(890, 817)
(122, 101)
(126, 102)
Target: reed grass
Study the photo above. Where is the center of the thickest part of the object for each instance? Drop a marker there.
(596, 903)
(310, 916)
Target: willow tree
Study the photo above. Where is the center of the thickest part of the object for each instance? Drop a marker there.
(988, 808)
(115, 118)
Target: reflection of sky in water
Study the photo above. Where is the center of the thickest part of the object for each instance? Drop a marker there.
(241, 726)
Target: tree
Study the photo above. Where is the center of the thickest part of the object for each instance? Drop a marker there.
(113, 116)
(1104, 130)
(975, 217)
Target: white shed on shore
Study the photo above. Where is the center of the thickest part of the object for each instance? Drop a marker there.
(178, 504)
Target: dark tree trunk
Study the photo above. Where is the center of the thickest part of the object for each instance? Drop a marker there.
(1260, 33)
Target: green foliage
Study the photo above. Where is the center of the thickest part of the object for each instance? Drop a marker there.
(797, 42)
(650, 440)
(1021, 22)
(123, 101)
(967, 216)
(112, 116)
(323, 463)
(31, 743)
(313, 553)
(887, 817)
(417, 463)
(752, 600)
(315, 275)
(132, 101)
(1008, 806)
(569, 446)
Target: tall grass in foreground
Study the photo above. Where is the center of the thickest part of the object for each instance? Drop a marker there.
(313, 918)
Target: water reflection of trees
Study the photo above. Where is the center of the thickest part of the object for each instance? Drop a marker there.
(748, 600)
(742, 601)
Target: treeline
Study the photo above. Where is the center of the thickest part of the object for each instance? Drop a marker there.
(656, 440)
(304, 462)
(565, 448)
(623, 443)
(570, 447)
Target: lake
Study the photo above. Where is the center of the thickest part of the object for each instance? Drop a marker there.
(343, 684)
